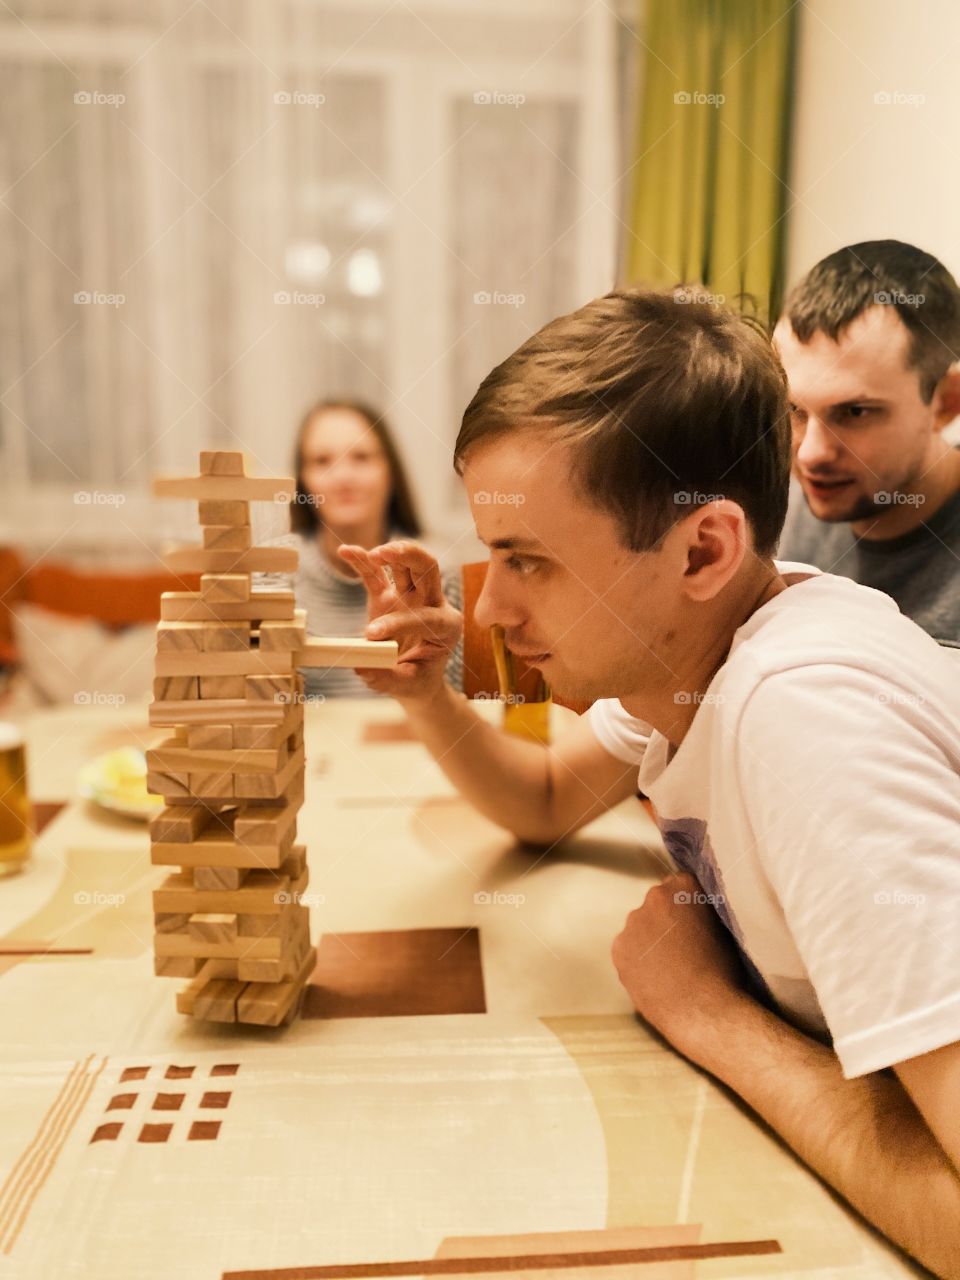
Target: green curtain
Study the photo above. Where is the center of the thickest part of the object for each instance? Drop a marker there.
(708, 185)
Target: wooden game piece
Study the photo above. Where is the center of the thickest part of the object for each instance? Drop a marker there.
(169, 785)
(269, 688)
(178, 637)
(170, 756)
(180, 825)
(210, 737)
(225, 588)
(170, 921)
(225, 488)
(215, 879)
(225, 637)
(251, 560)
(227, 537)
(176, 688)
(246, 662)
(175, 966)
(220, 850)
(262, 892)
(212, 926)
(284, 635)
(214, 711)
(268, 1004)
(190, 606)
(218, 687)
(179, 944)
(221, 462)
(272, 785)
(216, 786)
(319, 652)
(218, 512)
(217, 1002)
(205, 972)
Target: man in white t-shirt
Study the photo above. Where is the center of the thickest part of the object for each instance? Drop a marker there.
(799, 738)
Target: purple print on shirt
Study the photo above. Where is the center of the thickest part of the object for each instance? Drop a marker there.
(689, 846)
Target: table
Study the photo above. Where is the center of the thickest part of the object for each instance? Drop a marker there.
(467, 1086)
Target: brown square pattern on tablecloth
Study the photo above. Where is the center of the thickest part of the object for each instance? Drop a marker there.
(401, 973)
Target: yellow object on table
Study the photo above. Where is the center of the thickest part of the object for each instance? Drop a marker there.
(15, 837)
(522, 718)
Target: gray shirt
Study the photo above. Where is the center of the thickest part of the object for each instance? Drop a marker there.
(919, 569)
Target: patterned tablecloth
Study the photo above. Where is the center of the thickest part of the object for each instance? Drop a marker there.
(467, 1091)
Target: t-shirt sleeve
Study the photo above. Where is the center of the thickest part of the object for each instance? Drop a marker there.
(618, 732)
(852, 790)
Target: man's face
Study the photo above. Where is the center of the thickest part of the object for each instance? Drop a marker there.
(860, 427)
(593, 616)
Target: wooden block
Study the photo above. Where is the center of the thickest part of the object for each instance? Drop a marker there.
(225, 637)
(227, 537)
(262, 736)
(269, 688)
(190, 606)
(261, 892)
(222, 687)
(225, 588)
(210, 737)
(325, 652)
(176, 689)
(216, 786)
(217, 1002)
(205, 971)
(261, 926)
(180, 825)
(172, 757)
(228, 488)
(250, 560)
(221, 462)
(269, 786)
(224, 511)
(258, 824)
(215, 711)
(175, 966)
(170, 921)
(176, 944)
(242, 662)
(284, 635)
(212, 926)
(214, 851)
(178, 637)
(268, 1005)
(169, 785)
(216, 879)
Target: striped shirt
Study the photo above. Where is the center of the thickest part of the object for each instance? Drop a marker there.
(336, 605)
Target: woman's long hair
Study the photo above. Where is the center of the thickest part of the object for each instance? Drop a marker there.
(402, 515)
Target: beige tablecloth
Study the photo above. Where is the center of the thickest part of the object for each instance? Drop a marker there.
(467, 1081)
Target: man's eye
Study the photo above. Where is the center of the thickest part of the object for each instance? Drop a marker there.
(855, 411)
(521, 564)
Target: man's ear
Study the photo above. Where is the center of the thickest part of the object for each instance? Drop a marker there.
(716, 538)
(946, 398)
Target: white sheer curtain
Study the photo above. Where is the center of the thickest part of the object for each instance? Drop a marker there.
(213, 213)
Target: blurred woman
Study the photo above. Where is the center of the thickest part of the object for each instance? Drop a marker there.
(351, 488)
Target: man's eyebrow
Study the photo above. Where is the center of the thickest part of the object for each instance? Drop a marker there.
(514, 544)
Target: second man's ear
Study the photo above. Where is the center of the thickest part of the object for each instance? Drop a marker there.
(946, 398)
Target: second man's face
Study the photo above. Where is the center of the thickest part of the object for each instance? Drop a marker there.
(861, 431)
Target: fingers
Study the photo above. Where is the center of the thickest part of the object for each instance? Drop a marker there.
(371, 573)
(442, 627)
(414, 570)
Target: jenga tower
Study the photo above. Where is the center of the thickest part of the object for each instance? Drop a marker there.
(232, 770)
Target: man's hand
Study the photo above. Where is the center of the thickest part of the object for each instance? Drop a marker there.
(410, 609)
(678, 967)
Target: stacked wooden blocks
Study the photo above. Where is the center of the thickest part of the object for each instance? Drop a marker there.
(231, 771)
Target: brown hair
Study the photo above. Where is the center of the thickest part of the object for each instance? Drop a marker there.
(665, 403)
(402, 515)
(884, 273)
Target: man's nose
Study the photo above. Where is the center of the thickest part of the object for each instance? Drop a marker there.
(494, 606)
(818, 447)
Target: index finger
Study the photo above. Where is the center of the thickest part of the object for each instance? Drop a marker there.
(419, 563)
(371, 573)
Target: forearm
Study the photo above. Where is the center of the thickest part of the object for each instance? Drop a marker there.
(506, 778)
(864, 1137)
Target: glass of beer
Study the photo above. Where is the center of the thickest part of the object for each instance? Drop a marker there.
(15, 834)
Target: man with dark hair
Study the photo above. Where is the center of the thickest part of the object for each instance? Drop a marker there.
(799, 737)
(868, 339)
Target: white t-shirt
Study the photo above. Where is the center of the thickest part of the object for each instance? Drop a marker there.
(816, 795)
